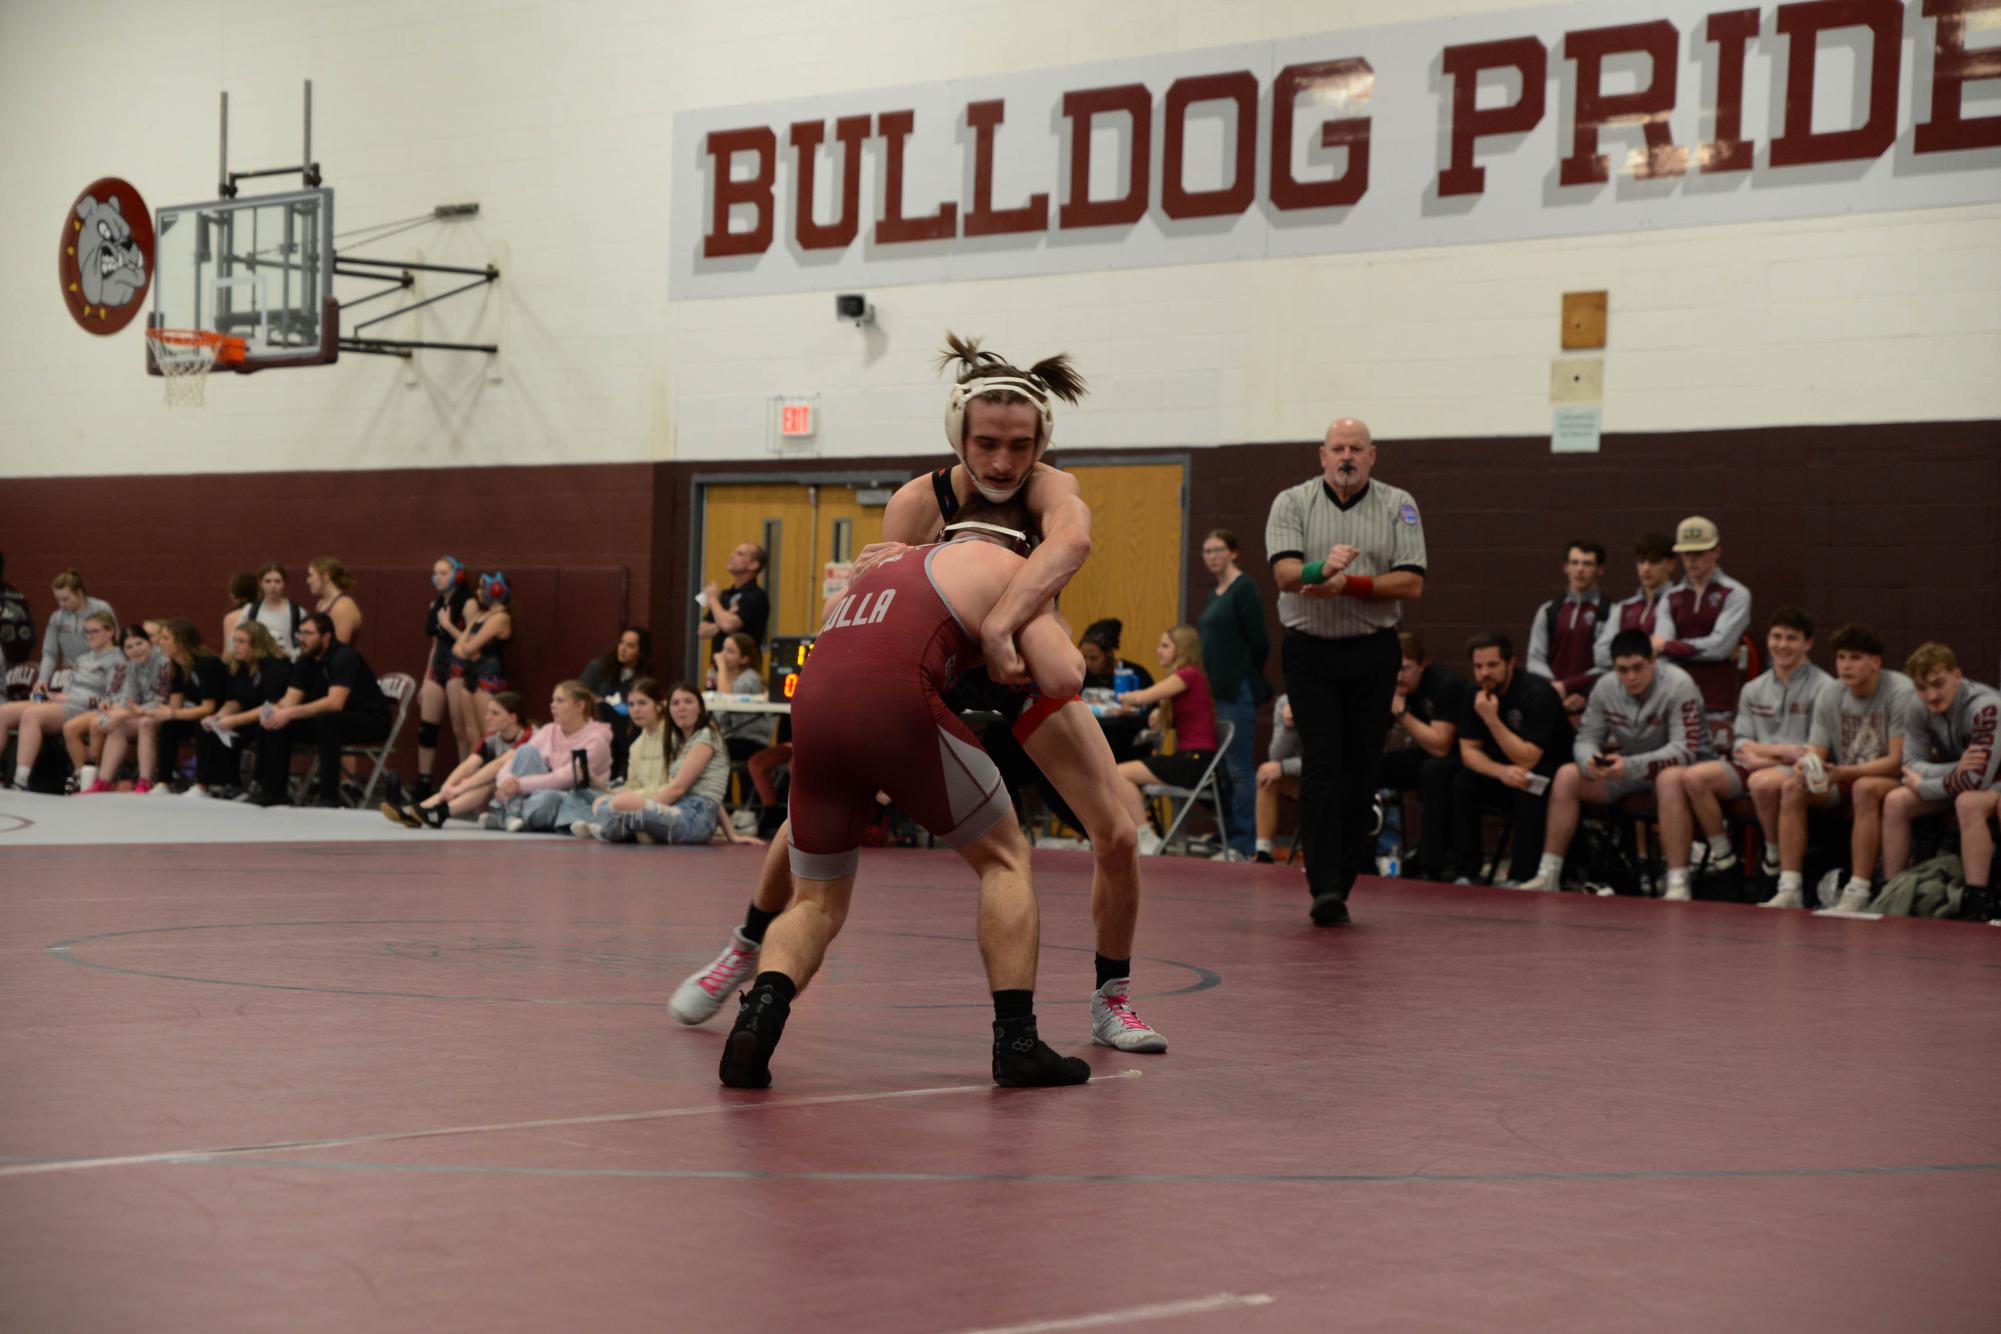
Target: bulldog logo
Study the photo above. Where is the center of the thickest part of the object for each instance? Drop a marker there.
(106, 263)
(113, 269)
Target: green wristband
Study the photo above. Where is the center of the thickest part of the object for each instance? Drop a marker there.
(1313, 573)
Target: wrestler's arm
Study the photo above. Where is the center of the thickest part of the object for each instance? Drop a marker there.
(910, 519)
(1052, 660)
(1066, 544)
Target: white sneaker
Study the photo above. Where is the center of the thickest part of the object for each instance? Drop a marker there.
(697, 999)
(1149, 842)
(194, 790)
(1535, 884)
(1229, 855)
(581, 828)
(1856, 898)
(489, 820)
(1676, 893)
(1114, 1024)
(515, 824)
(1789, 897)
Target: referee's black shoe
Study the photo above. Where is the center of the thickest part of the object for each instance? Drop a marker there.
(1330, 910)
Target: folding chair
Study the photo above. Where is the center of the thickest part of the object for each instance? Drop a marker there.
(401, 687)
(1189, 796)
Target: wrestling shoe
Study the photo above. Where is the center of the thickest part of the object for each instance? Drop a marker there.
(1024, 1060)
(1114, 1024)
(399, 815)
(760, 1022)
(697, 999)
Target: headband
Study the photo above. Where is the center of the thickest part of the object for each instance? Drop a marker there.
(962, 394)
(1015, 536)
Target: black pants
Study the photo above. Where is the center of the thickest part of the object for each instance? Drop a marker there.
(1430, 776)
(1473, 795)
(1340, 691)
(328, 733)
(212, 758)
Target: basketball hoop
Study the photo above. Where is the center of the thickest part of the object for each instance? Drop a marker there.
(186, 356)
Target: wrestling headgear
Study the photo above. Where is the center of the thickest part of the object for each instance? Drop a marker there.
(1017, 541)
(458, 568)
(955, 421)
(493, 588)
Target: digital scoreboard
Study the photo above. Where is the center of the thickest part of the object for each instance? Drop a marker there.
(788, 659)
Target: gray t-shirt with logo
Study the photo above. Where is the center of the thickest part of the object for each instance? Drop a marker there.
(1857, 731)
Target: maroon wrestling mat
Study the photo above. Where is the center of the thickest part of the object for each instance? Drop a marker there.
(403, 1086)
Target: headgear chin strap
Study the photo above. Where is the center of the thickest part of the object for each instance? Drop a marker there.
(955, 420)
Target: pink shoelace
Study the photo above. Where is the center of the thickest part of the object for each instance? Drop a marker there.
(723, 971)
(1121, 1008)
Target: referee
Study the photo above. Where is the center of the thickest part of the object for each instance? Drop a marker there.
(1341, 653)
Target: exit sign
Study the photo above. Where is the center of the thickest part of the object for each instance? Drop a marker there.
(795, 419)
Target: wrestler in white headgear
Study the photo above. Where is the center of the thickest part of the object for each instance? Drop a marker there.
(987, 377)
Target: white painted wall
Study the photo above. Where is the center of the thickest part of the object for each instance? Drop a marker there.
(556, 118)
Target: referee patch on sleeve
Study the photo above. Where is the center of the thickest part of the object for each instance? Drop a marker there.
(1408, 513)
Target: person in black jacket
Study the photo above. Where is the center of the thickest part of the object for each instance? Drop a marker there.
(259, 675)
(332, 702)
(443, 621)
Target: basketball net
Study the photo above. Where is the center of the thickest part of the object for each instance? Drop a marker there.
(186, 356)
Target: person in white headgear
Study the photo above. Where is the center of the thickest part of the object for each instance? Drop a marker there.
(999, 420)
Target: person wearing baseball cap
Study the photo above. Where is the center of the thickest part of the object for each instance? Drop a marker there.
(1710, 611)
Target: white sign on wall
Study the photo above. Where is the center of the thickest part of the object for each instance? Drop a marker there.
(1614, 115)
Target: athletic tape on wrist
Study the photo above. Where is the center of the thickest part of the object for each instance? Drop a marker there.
(1358, 586)
(1314, 573)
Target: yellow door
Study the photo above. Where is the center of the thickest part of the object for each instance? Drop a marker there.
(1137, 566)
(778, 518)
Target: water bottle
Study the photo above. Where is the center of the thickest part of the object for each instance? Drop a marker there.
(580, 768)
(1124, 680)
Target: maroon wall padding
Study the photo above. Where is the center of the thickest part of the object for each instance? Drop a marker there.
(575, 540)
(1897, 525)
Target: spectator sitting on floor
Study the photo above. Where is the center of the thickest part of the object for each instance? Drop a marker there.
(93, 681)
(1951, 754)
(681, 775)
(1854, 755)
(143, 683)
(260, 671)
(1647, 608)
(1710, 611)
(1563, 637)
(195, 691)
(1183, 689)
(1278, 776)
(1511, 738)
(737, 673)
(333, 701)
(530, 792)
(1645, 717)
(468, 788)
(1774, 716)
(1422, 752)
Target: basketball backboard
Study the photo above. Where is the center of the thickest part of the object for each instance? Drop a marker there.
(260, 268)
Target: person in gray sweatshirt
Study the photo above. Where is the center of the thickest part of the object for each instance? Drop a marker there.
(1644, 718)
(1951, 764)
(93, 681)
(64, 641)
(147, 677)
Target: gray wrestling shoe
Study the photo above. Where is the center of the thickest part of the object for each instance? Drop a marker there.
(697, 999)
(1114, 1023)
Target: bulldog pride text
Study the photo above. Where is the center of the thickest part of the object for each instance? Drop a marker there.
(1539, 122)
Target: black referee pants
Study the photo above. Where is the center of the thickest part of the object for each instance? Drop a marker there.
(1340, 694)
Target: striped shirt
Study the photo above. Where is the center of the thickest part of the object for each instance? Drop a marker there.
(1382, 522)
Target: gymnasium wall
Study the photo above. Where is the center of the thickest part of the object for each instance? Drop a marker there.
(557, 120)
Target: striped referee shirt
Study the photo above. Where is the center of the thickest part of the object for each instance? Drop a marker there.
(1381, 522)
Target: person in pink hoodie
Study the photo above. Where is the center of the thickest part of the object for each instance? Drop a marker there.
(533, 793)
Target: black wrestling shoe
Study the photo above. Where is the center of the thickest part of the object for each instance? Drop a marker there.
(403, 815)
(1022, 1060)
(1330, 910)
(760, 1021)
